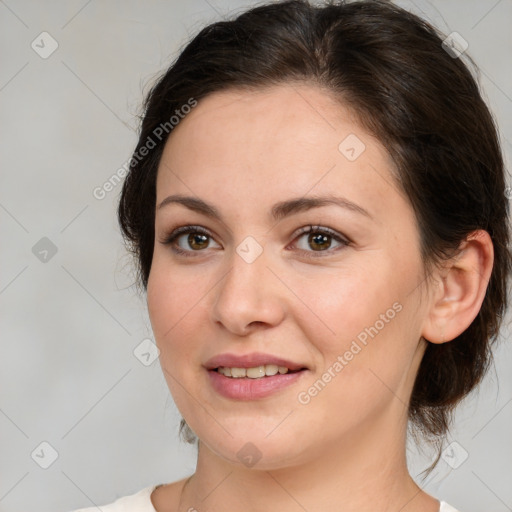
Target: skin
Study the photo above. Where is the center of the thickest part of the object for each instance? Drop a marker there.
(345, 450)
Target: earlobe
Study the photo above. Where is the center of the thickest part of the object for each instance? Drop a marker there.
(462, 284)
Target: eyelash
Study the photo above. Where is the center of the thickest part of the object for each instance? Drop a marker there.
(169, 239)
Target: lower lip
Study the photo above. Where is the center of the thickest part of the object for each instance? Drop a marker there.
(245, 388)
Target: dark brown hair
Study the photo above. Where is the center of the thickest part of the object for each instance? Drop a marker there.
(423, 104)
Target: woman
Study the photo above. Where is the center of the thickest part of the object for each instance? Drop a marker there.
(317, 207)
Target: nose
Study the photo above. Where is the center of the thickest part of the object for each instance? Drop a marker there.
(249, 296)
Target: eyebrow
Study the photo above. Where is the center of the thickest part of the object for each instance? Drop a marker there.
(279, 210)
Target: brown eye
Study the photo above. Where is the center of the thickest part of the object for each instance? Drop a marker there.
(319, 240)
(197, 240)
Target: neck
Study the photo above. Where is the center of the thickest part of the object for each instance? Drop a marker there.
(367, 470)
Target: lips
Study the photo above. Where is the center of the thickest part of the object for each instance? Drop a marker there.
(252, 387)
(250, 361)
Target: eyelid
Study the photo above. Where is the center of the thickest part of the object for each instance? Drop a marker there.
(314, 228)
(188, 228)
(170, 238)
(343, 240)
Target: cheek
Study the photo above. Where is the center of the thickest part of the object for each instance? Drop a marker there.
(339, 306)
(171, 311)
(161, 304)
(362, 357)
(165, 310)
(172, 296)
(357, 324)
(177, 302)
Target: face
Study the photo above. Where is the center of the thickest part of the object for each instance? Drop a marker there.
(339, 300)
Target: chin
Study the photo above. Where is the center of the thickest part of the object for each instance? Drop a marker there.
(255, 450)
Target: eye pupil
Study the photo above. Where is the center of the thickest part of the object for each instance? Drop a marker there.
(319, 239)
(194, 237)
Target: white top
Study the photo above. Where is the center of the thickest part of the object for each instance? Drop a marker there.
(141, 502)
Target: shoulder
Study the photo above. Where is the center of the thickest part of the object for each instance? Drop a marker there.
(137, 502)
(445, 507)
(166, 497)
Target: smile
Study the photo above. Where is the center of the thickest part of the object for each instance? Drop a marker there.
(241, 386)
(256, 372)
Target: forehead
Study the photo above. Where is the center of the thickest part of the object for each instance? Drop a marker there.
(282, 141)
(284, 114)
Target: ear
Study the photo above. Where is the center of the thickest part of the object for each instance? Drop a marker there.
(460, 289)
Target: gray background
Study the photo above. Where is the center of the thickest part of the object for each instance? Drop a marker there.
(70, 325)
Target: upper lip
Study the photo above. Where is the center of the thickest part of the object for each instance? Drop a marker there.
(250, 361)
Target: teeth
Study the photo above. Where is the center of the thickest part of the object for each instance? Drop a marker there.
(253, 373)
(237, 372)
(272, 369)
